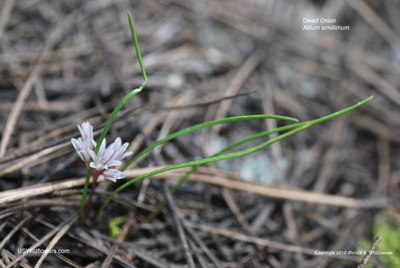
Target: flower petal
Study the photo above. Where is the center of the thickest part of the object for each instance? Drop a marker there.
(113, 175)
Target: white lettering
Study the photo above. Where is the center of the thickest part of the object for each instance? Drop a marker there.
(305, 20)
(323, 20)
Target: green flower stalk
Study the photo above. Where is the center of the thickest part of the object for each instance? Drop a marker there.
(104, 162)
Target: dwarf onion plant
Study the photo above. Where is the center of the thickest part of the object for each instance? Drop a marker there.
(102, 160)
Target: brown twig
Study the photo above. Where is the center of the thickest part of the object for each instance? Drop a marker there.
(179, 228)
(5, 14)
(370, 252)
(130, 221)
(55, 240)
(270, 191)
(41, 241)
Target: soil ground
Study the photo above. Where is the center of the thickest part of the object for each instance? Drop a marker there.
(307, 201)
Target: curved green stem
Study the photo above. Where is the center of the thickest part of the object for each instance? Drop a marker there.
(115, 112)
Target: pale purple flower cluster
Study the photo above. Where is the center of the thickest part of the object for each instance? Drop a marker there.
(107, 159)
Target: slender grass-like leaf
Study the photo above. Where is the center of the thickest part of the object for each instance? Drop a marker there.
(250, 138)
(202, 162)
(294, 128)
(204, 125)
(116, 110)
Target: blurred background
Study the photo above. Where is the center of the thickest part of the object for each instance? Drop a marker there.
(63, 62)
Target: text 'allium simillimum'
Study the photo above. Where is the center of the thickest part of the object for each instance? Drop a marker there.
(106, 160)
